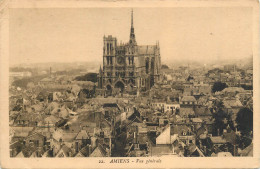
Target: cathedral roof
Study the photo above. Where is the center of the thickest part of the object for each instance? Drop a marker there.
(146, 49)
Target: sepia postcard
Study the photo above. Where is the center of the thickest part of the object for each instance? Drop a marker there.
(129, 84)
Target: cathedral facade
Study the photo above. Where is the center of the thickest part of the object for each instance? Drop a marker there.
(129, 67)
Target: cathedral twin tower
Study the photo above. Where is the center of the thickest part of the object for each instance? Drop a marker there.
(129, 67)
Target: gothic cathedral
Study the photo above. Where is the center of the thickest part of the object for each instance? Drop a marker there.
(129, 67)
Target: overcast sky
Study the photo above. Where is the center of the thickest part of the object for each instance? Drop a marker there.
(68, 35)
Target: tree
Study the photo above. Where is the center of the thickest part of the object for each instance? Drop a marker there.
(221, 119)
(244, 121)
(165, 67)
(87, 77)
(247, 87)
(218, 86)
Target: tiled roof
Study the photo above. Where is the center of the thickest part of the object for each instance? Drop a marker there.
(99, 149)
(85, 151)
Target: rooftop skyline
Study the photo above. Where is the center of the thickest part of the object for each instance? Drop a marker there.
(69, 35)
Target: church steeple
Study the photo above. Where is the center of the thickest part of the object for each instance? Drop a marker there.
(132, 31)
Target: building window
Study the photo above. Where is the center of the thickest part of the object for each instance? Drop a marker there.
(107, 48)
(111, 60)
(37, 142)
(107, 60)
(131, 74)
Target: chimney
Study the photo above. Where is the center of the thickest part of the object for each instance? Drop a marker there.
(200, 143)
(135, 138)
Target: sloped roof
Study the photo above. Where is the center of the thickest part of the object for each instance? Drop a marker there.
(177, 129)
(51, 119)
(68, 137)
(146, 49)
(37, 107)
(20, 154)
(82, 135)
(66, 150)
(47, 153)
(35, 134)
(200, 133)
(233, 89)
(99, 152)
(196, 120)
(57, 134)
(85, 151)
(202, 111)
(188, 99)
(230, 137)
(24, 116)
(64, 112)
(21, 131)
(248, 151)
(160, 150)
(185, 111)
(52, 106)
(218, 140)
(28, 150)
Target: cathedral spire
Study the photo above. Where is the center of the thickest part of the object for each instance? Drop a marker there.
(100, 70)
(132, 31)
(132, 20)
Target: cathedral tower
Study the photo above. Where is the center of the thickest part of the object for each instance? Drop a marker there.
(128, 68)
(132, 40)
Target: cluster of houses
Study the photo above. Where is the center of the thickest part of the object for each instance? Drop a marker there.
(59, 117)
